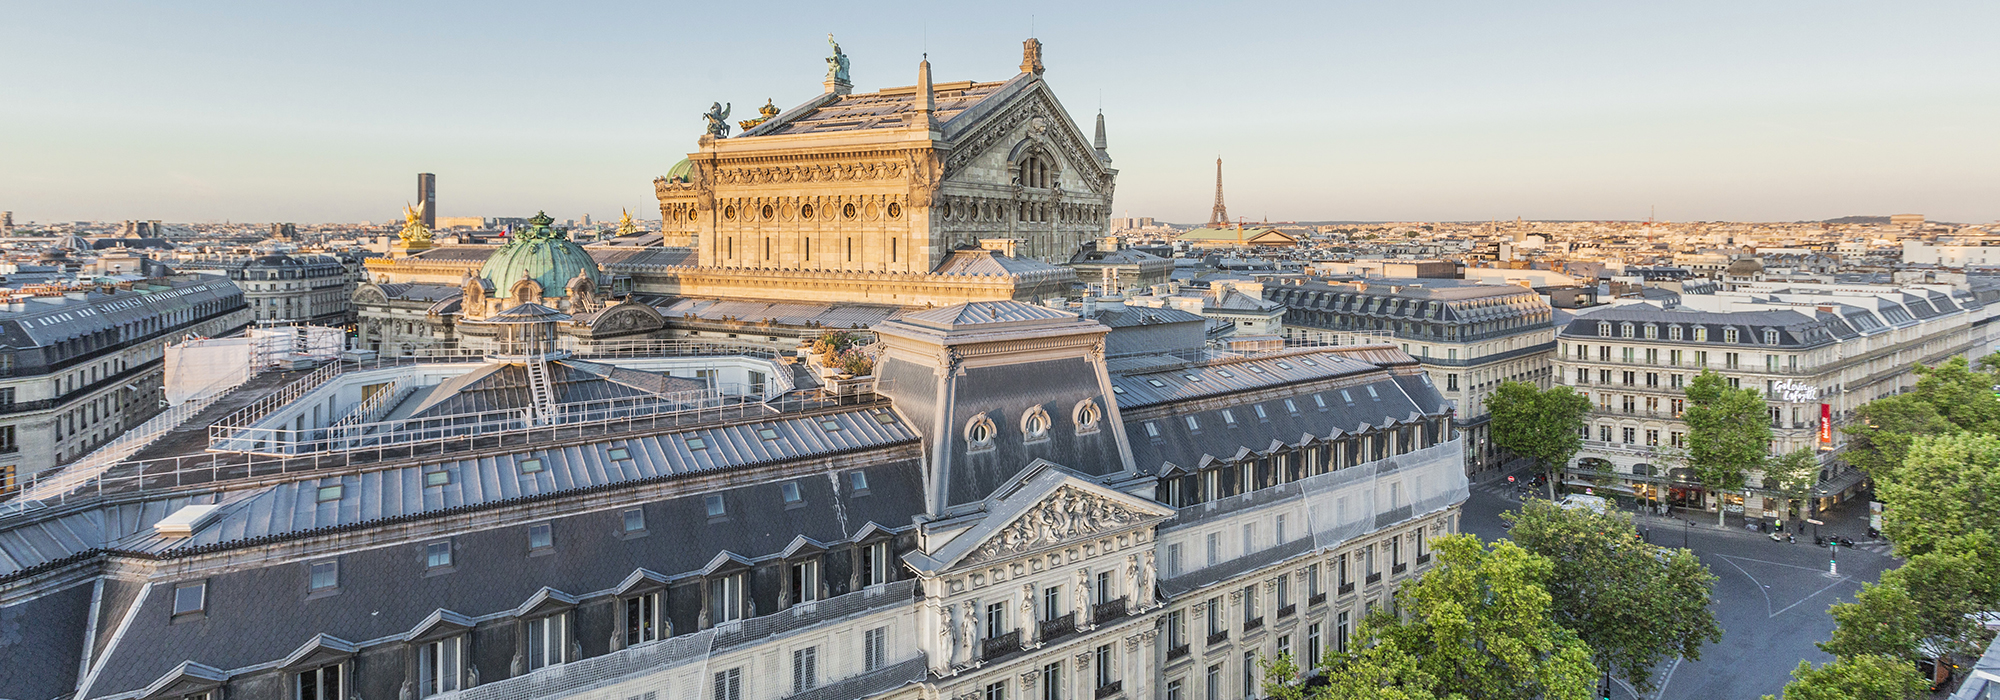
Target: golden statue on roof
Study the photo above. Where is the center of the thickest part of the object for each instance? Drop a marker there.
(625, 225)
(414, 230)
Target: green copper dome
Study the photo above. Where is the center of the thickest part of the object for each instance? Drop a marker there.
(682, 171)
(543, 254)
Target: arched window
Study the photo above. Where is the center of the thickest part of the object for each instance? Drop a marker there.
(1087, 417)
(1035, 424)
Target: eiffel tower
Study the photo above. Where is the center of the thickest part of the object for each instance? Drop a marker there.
(1220, 217)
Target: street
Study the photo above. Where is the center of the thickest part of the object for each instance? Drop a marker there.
(1770, 598)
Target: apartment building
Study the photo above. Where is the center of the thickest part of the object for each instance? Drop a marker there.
(1470, 337)
(1815, 351)
(78, 368)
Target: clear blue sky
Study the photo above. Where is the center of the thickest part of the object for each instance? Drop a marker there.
(1759, 110)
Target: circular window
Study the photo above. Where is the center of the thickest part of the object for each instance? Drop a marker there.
(770, 213)
(895, 210)
(1087, 416)
(1035, 424)
(729, 212)
(805, 211)
(979, 432)
(847, 211)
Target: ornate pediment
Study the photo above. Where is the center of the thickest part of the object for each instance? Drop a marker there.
(1067, 515)
(1061, 135)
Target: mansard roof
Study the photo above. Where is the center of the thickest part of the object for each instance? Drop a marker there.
(884, 109)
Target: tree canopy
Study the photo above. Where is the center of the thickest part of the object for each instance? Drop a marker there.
(1871, 677)
(1543, 425)
(1634, 603)
(1728, 432)
(1950, 398)
(1476, 626)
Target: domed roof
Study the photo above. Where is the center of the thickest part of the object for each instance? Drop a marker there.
(543, 254)
(682, 171)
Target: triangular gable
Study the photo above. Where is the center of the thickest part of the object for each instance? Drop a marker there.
(546, 601)
(321, 650)
(1242, 453)
(1054, 509)
(440, 623)
(871, 531)
(189, 678)
(1276, 446)
(802, 544)
(1169, 468)
(641, 581)
(725, 560)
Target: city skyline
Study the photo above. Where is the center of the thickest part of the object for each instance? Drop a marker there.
(1783, 112)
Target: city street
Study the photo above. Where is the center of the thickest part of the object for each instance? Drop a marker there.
(1771, 598)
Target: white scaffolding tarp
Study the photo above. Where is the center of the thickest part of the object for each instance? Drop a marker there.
(202, 367)
(299, 342)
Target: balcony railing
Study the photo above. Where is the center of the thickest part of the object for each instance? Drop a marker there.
(1058, 627)
(1374, 578)
(1287, 610)
(995, 647)
(1110, 689)
(1423, 559)
(1399, 568)
(1108, 610)
(1316, 599)
(1253, 624)
(1215, 638)
(1177, 652)
(1347, 588)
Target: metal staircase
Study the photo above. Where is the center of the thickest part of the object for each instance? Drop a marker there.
(538, 386)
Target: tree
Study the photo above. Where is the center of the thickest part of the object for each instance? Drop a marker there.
(1635, 604)
(1476, 626)
(1950, 398)
(1366, 673)
(1546, 426)
(1872, 677)
(1938, 493)
(1795, 473)
(1728, 434)
(1880, 622)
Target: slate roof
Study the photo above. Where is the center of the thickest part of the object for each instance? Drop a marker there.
(883, 109)
(50, 320)
(427, 293)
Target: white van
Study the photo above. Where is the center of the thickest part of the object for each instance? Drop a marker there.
(1595, 504)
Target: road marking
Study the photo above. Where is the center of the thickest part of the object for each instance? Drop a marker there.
(1763, 588)
(1667, 677)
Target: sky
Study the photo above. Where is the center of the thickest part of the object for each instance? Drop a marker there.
(1769, 110)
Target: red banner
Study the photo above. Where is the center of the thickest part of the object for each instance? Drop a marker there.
(1826, 423)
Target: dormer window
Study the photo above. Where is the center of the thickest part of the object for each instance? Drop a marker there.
(1652, 331)
(1770, 337)
(1673, 332)
(1603, 329)
(1729, 335)
(1701, 334)
(1087, 417)
(1625, 329)
(979, 432)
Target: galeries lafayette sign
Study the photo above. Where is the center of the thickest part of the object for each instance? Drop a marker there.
(1794, 392)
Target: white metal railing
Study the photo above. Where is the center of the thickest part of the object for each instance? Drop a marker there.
(371, 408)
(291, 392)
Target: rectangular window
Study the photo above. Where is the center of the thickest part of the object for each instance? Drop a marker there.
(1278, 535)
(540, 537)
(996, 619)
(875, 648)
(1652, 438)
(1250, 610)
(1174, 560)
(996, 691)
(1103, 589)
(805, 669)
(190, 598)
(805, 581)
(1175, 690)
(1630, 435)
(325, 575)
(438, 666)
(1176, 630)
(1312, 581)
(1249, 537)
(635, 519)
(1052, 681)
(1051, 602)
(547, 639)
(321, 683)
(714, 505)
(729, 684)
(1284, 591)
(642, 619)
(875, 564)
(1215, 624)
(1340, 632)
(1214, 683)
(725, 599)
(1249, 674)
(437, 555)
(1312, 647)
(1104, 668)
(1214, 542)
